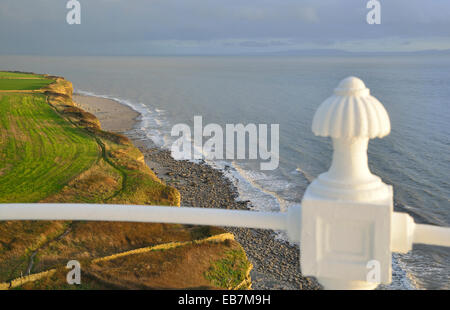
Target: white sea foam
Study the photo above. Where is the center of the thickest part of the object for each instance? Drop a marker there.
(250, 189)
(306, 175)
(151, 123)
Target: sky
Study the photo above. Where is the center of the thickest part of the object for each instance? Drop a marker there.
(167, 27)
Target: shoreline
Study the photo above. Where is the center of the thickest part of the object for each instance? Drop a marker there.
(112, 115)
(275, 262)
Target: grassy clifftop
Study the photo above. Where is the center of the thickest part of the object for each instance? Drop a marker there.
(22, 81)
(52, 151)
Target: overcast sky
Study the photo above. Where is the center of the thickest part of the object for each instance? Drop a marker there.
(146, 27)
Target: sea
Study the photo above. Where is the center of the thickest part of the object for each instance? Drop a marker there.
(287, 90)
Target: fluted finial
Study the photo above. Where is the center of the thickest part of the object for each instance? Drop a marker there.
(351, 112)
(346, 211)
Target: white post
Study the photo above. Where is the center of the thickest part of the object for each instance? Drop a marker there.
(349, 229)
(346, 211)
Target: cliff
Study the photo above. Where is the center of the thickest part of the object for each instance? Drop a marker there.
(65, 156)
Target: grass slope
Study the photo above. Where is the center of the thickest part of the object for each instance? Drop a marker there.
(23, 84)
(22, 81)
(19, 75)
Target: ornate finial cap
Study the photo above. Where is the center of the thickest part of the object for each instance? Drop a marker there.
(351, 112)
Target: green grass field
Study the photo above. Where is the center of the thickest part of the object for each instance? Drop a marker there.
(15, 75)
(39, 151)
(22, 81)
(7, 84)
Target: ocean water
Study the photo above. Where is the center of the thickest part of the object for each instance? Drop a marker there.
(414, 158)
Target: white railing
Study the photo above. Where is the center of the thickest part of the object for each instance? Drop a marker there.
(345, 224)
(146, 214)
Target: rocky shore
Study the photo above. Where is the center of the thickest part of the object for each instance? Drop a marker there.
(275, 263)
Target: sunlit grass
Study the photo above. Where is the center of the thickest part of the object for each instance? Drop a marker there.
(22, 81)
(23, 84)
(12, 75)
(39, 151)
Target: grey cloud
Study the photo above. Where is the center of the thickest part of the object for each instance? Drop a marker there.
(130, 26)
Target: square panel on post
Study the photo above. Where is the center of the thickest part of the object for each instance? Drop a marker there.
(344, 240)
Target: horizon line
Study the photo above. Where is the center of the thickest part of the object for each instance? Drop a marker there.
(296, 52)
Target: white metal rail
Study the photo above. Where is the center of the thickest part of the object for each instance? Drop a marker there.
(288, 221)
(432, 235)
(147, 214)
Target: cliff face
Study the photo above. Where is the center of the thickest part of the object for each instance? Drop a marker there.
(60, 86)
(152, 256)
(59, 95)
